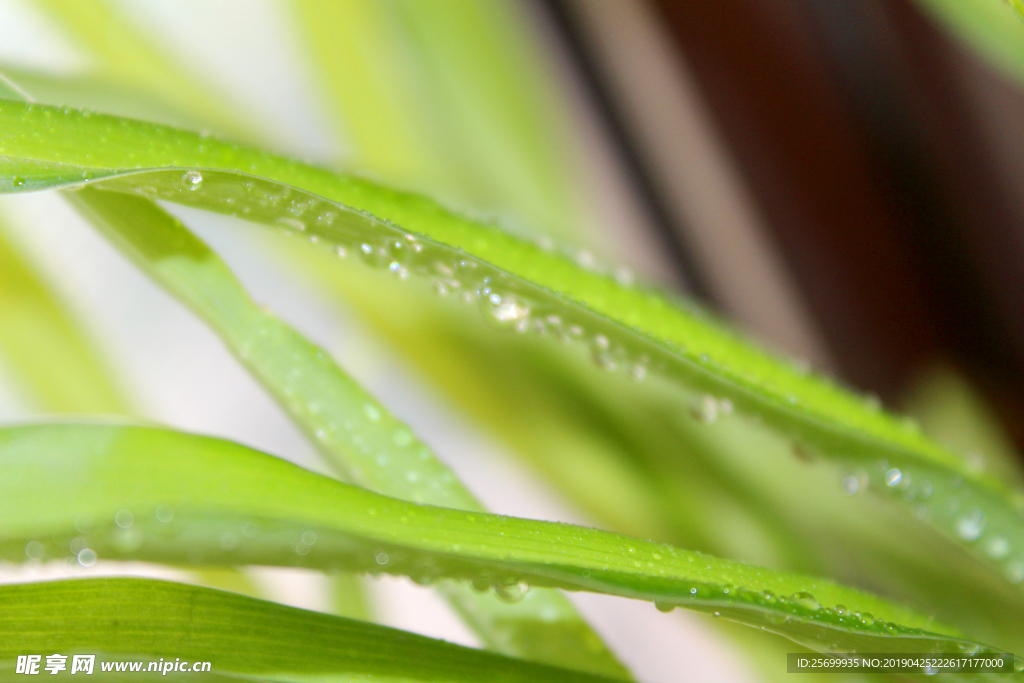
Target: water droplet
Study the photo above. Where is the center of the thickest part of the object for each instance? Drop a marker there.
(585, 259)
(193, 180)
(693, 591)
(600, 350)
(382, 559)
(805, 600)
(998, 547)
(851, 484)
(34, 550)
(124, 519)
(638, 372)
(87, 557)
(228, 541)
(867, 619)
(19, 181)
(970, 525)
(513, 592)
(164, 513)
(664, 606)
(506, 309)
(842, 609)
(706, 410)
(893, 477)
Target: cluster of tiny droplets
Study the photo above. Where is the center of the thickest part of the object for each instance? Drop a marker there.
(964, 520)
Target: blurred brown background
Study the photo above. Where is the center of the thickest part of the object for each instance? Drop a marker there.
(845, 179)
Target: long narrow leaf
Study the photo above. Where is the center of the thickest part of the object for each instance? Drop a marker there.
(86, 492)
(524, 287)
(141, 620)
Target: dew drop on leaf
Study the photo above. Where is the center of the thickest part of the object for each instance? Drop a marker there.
(164, 513)
(893, 477)
(638, 372)
(998, 547)
(87, 557)
(705, 410)
(805, 600)
(124, 519)
(193, 180)
(34, 550)
(970, 525)
(512, 593)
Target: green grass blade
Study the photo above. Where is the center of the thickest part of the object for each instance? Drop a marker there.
(141, 493)
(359, 437)
(242, 638)
(53, 362)
(523, 286)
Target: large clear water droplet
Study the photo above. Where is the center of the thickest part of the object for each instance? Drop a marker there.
(970, 525)
(506, 309)
(193, 180)
(87, 557)
(512, 593)
(805, 600)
